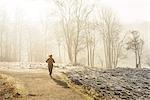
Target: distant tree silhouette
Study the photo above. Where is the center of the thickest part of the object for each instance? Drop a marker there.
(135, 44)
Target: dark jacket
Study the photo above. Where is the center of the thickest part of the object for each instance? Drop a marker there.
(50, 61)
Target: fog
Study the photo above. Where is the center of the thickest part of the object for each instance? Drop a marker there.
(30, 30)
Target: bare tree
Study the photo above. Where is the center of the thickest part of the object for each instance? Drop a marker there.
(110, 29)
(45, 29)
(135, 44)
(3, 34)
(65, 17)
(73, 14)
(19, 30)
(90, 43)
(59, 39)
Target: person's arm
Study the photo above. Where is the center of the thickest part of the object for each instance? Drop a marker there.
(47, 60)
(53, 61)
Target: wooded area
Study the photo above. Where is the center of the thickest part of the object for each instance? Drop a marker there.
(81, 33)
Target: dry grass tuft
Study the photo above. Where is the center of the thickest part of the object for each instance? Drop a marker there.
(11, 88)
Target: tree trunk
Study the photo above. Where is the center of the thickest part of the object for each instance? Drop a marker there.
(139, 59)
(88, 62)
(87, 47)
(93, 56)
(70, 53)
(136, 62)
(75, 59)
(59, 52)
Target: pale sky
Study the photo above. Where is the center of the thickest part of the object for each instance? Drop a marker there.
(128, 10)
(32, 10)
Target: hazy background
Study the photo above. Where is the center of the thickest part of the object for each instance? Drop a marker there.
(29, 29)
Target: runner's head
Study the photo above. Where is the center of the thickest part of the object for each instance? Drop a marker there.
(50, 55)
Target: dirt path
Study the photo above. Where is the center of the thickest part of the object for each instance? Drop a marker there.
(42, 87)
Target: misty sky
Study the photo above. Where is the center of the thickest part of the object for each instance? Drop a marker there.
(128, 10)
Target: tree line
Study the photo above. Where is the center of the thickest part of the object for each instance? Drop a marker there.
(80, 33)
(80, 30)
(20, 40)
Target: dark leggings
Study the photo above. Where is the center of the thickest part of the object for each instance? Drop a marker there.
(50, 68)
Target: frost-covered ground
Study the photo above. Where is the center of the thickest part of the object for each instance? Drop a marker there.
(101, 84)
(112, 84)
(23, 67)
